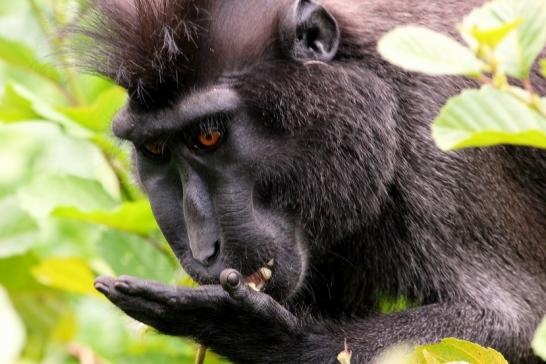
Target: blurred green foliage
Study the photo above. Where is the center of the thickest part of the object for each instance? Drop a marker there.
(68, 209)
(503, 40)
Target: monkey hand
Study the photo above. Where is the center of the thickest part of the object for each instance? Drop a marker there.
(232, 319)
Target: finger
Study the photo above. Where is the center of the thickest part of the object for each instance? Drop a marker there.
(103, 284)
(132, 305)
(232, 282)
(154, 291)
(259, 303)
(179, 297)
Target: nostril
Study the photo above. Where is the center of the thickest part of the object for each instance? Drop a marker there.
(214, 256)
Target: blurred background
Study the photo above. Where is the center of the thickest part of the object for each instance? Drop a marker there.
(68, 208)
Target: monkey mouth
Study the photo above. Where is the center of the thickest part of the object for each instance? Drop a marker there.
(258, 280)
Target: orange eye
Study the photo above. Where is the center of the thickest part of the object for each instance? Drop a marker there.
(209, 138)
(158, 150)
(208, 134)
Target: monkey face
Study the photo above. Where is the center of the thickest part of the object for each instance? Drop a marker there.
(205, 183)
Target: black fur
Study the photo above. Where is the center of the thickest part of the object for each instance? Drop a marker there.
(143, 47)
(330, 168)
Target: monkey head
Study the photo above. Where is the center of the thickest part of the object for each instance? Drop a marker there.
(257, 143)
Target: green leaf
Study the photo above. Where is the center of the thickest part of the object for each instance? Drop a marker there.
(67, 274)
(102, 327)
(12, 331)
(19, 55)
(486, 117)
(8, 7)
(47, 193)
(15, 273)
(455, 351)
(99, 115)
(66, 328)
(41, 311)
(14, 107)
(91, 87)
(132, 217)
(493, 36)
(543, 67)
(20, 23)
(130, 255)
(519, 49)
(30, 149)
(539, 341)
(18, 230)
(32, 107)
(422, 50)
(111, 335)
(389, 304)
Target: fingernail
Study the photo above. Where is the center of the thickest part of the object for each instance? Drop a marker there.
(229, 278)
(233, 279)
(122, 286)
(101, 288)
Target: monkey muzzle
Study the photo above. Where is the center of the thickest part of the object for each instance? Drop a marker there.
(258, 280)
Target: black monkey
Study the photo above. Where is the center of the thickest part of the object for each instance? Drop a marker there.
(281, 153)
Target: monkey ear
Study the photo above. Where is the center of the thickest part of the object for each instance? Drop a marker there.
(310, 32)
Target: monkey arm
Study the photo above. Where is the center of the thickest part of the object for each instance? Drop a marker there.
(250, 327)
(367, 338)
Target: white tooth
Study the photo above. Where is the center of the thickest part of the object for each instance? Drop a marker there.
(271, 263)
(265, 273)
(253, 286)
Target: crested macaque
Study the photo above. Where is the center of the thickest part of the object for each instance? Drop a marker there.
(292, 172)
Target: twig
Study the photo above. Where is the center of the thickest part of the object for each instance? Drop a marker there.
(528, 86)
(119, 166)
(533, 101)
(485, 80)
(200, 355)
(83, 354)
